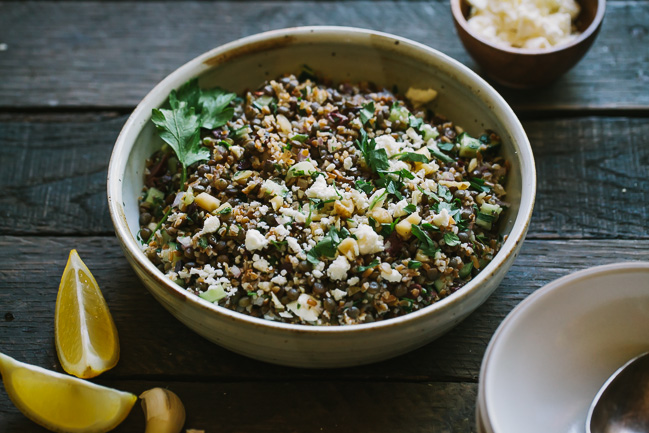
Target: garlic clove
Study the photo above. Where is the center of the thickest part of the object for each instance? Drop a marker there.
(163, 410)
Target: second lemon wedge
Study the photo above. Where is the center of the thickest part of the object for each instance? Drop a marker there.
(86, 337)
(63, 403)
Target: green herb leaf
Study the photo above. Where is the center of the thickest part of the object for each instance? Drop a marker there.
(367, 112)
(479, 184)
(444, 193)
(300, 137)
(372, 264)
(215, 110)
(446, 147)
(451, 239)
(225, 211)
(410, 208)
(366, 187)
(429, 194)
(414, 264)
(180, 128)
(393, 188)
(376, 159)
(426, 244)
(415, 122)
(439, 155)
(377, 199)
(328, 246)
(413, 157)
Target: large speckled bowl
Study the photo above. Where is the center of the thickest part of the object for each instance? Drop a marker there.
(342, 54)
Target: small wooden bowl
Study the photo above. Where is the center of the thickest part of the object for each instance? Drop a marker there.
(524, 68)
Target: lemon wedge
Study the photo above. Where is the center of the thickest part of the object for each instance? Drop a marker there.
(63, 403)
(84, 331)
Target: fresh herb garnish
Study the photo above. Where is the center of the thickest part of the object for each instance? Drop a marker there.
(192, 108)
(393, 188)
(410, 208)
(377, 199)
(446, 147)
(412, 157)
(225, 211)
(444, 193)
(415, 122)
(300, 137)
(372, 264)
(328, 245)
(426, 244)
(414, 264)
(479, 184)
(451, 239)
(366, 187)
(439, 155)
(429, 194)
(376, 159)
(367, 112)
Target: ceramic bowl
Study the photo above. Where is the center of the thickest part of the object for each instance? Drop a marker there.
(524, 68)
(341, 54)
(550, 356)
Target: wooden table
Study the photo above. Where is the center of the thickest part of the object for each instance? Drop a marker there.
(71, 72)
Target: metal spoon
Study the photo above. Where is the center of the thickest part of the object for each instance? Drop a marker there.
(622, 403)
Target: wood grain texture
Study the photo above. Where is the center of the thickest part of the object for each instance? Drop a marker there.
(155, 345)
(246, 407)
(593, 175)
(110, 54)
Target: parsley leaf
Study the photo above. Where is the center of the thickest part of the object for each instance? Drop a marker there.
(439, 155)
(414, 264)
(393, 188)
(412, 157)
(376, 159)
(446, 147)
(444, 193)
(410, 208)
(451, 239)
(372, 264)
(328, 245)
(479, 184)
(426, 244)
(366, 187)
(214, 107)
(367, 112)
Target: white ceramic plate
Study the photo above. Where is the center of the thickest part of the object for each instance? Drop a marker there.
(549, 357)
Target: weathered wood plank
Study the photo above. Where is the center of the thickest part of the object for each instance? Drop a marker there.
(301, 407)
(154, 344)
(110, 54)
(593, 175)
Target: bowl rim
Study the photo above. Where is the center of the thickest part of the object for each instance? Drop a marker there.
(195, 67)
(459, 18)
(508, 324)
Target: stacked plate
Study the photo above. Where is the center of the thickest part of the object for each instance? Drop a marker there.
(553, 352)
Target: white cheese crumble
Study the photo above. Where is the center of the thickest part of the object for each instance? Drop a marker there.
(391, 275)
(338, 268)
(274, 188)
(524, 23)
(211, 224)
(368, 240)
(338, 294)
(388, 143)
(255, 240)
(260, 263)
(293, 245)
(304, 309)
(320, 189)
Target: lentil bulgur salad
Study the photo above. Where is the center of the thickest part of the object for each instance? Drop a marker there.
(312, 203)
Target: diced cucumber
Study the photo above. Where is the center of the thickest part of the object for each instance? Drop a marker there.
(490, 209)
(439, 284)
(466, 270)
(262, 101)
(399, 113)
(484, 220)
(429, 132)
(469, 146)
(153, 195)
(213, 294)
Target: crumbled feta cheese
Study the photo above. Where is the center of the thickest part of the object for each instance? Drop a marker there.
(255, 240)
(293, 245)
(368, 240)
(306, 307)
(292, 213)
(391, 275)
(273, 188)
(281, 232)
(388, 143)
(260, 263)
(524, 23)
(279, 280)
(442, 219)
(263, 209)
(320, 189)
(360, 199)
(338, 294)
(348, 163)
(353, 281)
(211, 224)
(398, 209)
(338, 268)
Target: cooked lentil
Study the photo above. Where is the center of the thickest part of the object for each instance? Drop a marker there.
(327, 205)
